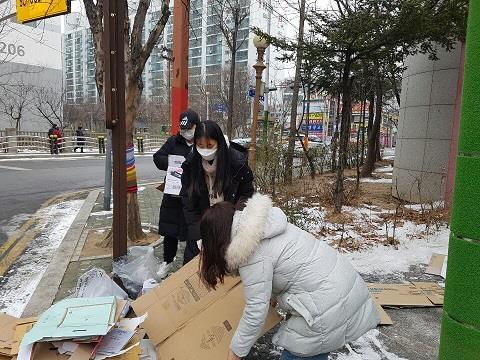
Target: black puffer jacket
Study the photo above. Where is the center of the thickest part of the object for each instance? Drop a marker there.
(172, 221)
(240, 189)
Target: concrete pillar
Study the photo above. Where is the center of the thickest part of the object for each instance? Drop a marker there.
(429, 93)
(11, 134)
(460, 335)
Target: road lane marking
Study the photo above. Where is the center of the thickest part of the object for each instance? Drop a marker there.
(14, 168)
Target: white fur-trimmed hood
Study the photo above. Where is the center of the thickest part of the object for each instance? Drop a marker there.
(258, 220)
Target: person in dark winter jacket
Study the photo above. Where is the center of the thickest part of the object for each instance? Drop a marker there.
(80, 139)
(216, 170)
(172, 222)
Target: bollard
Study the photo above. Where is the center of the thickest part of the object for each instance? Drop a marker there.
(101, 144)
(140, 144)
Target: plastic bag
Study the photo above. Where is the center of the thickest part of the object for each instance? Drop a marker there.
(96, 283)
(149, 285)
(138, 265)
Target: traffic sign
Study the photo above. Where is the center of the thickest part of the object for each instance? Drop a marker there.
(219, 108)
(31, 10)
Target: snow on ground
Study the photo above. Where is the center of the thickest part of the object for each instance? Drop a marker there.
(363, 239)
(368, 347)
(17, 286)
(384, 169)
(102, 213)
(378, 181)
(9, 227)
(383, 259)
(389, 153)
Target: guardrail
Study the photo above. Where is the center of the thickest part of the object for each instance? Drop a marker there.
(69, 144)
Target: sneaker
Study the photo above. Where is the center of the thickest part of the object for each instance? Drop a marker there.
(164, 270)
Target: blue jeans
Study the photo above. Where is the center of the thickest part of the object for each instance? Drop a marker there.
(287, 356)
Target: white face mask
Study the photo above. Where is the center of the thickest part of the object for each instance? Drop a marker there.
(207, 154)
(188, 134)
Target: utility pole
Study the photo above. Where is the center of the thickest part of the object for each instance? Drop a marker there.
(460, 335)
(114, 15)
(181, 10)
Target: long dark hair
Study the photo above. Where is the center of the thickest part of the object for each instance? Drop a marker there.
(215, 229)
(223, 178)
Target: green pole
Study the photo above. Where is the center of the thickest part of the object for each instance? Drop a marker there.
(460, 335)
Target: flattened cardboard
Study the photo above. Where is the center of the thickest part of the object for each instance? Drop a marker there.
(23, 327)
(210, 332)
(436, 264)
(7, 324)
(433, 291)
(385, 319)
(404, 295)
(177, 300)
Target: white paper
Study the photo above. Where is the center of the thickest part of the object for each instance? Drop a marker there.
(443, 273)
(132, 324)
(173, 180)
(114, 341)
(104, 356)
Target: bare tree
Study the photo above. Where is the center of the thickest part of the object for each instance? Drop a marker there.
(231, 15)
(14, 101)
(48, 104)
(296, 87)
(137, 52)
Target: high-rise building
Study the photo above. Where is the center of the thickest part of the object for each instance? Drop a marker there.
(209, 55)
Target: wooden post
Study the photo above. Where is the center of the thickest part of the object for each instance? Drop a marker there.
(114, 13)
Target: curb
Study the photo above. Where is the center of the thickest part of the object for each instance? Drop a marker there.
(46, 290)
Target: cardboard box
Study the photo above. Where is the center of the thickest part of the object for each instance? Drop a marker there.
(210, 332)
(417, 294)
(177, 300)
(385, 319)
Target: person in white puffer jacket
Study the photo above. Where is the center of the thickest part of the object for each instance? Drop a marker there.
(327, 302)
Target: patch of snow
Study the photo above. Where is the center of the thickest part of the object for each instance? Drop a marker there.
(14, 224)
(141, 188)
(368, 347)
(378, 181)
(419, 207)
(385, 169)
(102, 213)
(382, 259)
(18, 286)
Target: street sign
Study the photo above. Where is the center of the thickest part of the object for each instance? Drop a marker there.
(251, 92)
(31, 10)
(219, 108)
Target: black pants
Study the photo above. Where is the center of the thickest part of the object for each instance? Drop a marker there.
(191, 250)
(170, 246)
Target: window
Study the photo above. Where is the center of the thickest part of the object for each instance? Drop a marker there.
(195, 62)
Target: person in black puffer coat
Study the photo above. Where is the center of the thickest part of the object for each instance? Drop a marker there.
(172, 222)
(216, 170)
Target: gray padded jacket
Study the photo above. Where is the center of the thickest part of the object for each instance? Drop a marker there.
(328, 302)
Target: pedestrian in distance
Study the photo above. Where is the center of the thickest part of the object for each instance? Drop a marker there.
(326, 301)
(172, 221)
(80, 135)
(55, 137)
(216, 170)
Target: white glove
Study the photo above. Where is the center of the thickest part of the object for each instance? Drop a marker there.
(199, 244)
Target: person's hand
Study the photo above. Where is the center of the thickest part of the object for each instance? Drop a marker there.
(232, 356)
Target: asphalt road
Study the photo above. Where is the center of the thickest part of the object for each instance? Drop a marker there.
(27, 183)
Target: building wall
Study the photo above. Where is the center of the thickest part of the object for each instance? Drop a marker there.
(31, 57)
(429, 94)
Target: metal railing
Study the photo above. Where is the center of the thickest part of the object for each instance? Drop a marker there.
(39, 142)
